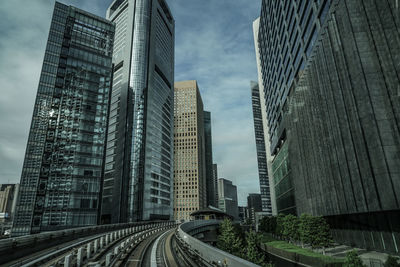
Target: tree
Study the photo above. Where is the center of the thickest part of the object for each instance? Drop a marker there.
(279, 224)
(229, 240)
(322, 238)
(305, 231)
(352, 260)
(314, 231)
(392, 262)
(290, 228)
(253, 252)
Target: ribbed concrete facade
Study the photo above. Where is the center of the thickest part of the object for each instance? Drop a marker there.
(189, 151)
(344, 125)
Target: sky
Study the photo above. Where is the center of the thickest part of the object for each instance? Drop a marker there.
(213, 45)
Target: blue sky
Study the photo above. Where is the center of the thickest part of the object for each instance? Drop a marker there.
(213, 45)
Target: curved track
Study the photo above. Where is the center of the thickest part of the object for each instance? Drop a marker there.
(112, 248)
(150, 247)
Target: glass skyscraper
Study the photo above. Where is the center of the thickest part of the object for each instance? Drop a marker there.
(211, 184)
(61, 175)
(138, 179)
(260, 147)
(215, 181)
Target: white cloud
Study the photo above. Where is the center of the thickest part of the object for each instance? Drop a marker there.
(24, 28)
(214, 45)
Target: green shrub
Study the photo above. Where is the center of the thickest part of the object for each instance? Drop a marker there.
(352, 260)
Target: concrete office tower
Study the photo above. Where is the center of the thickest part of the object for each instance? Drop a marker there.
(227, 201)
(269, 157)
(138, 176)
(344, 121)
(63, 166)
(189, 151)
(211, 185)
(243, 213)
(287, 33)
(261, 153)
(343, 115)
(254, 204)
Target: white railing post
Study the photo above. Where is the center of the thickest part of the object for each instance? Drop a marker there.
(67, 260)
(108, 259)
(79, 257)
(88, 250)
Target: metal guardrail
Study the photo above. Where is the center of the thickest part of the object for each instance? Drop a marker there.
(210, 254)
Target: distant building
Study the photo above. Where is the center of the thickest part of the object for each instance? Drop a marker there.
(210, 185)
(258, 216)
(210, 213)
(254, 205)
(227, 193)
(189, 153)
(8, 200)
(64, 160)
(243, 213)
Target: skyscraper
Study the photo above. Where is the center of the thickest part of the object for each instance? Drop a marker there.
(342, 117)
(215, 181)
(189, 151)
(287, 34)
(138, 176)
(261, 153)
(256, 30)
(61, 175)
(210, 184)
(228, 202)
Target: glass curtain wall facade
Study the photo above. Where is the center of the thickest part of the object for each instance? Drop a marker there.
(261, 153)
(210, 183)
(63, 166)
(138, 178)
(283, 182)
(344, 125)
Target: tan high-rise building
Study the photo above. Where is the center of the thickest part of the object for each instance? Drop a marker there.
(189, 151)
